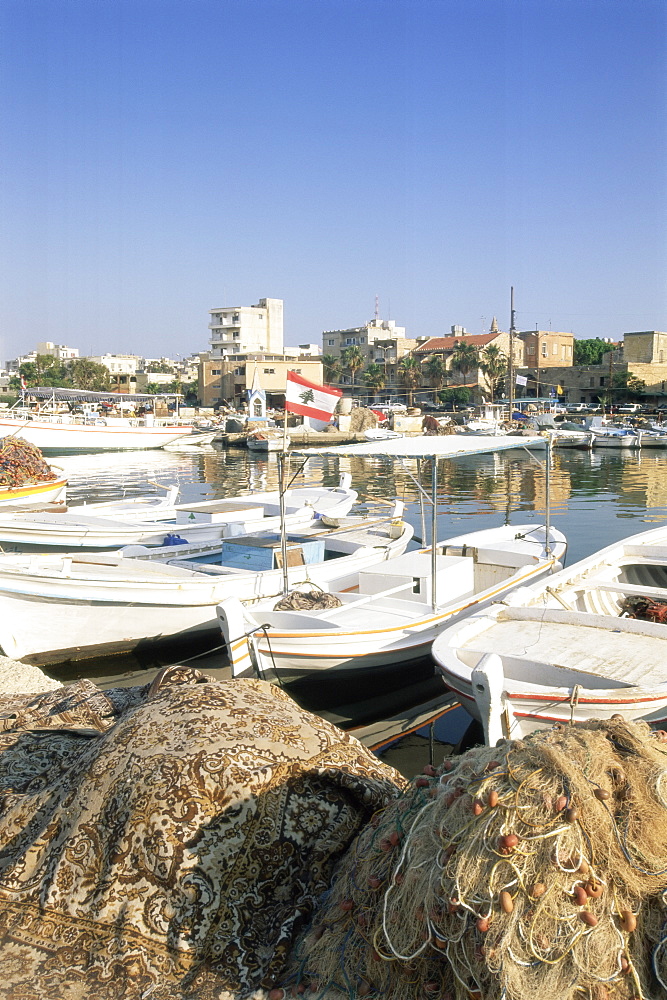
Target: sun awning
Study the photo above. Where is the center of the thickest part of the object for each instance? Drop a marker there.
(88, 396)
(424, 446)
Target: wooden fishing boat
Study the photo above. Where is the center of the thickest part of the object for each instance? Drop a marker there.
(615, 437)
(149, 521)
(391, 617)
(58, 607)
(60, 434)
(29, 494)
(267, 439)
(570, 648)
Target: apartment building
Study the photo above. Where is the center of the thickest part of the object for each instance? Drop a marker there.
(240, 330)
(225, 381)
(379, 340)
(58, 351)
(546, 348)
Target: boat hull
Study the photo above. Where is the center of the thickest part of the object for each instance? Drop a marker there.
(68, 607)
(44, 492)
(60, 439)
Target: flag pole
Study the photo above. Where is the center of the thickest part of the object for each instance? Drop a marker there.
(282, 458)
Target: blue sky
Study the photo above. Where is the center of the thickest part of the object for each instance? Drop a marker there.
(164, 157)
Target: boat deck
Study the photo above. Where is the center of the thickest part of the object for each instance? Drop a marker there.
(610, 657)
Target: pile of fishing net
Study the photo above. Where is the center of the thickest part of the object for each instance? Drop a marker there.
(307, 600)
(536, 868)
(362, 419)
(21, 463)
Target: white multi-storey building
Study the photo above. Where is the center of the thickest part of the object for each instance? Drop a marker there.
(247, 329)
(58, 351)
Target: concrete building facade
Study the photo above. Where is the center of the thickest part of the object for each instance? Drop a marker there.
(225, 381)
(546, 348)
(241, 330)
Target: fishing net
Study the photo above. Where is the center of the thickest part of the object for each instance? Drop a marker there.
(307, 600)
(21, 463)
(536, 868)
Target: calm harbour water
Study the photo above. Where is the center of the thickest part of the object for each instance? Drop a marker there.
(596, 499)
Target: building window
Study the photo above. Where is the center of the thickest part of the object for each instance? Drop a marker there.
(362, 340)
(545, 350)
(216, 371)
(330, 343)
(269, 371)
(591, 382)
(530, 349)
(602, 380)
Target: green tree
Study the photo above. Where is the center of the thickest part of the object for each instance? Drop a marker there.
(332, 368)
(353, 360)
(493, 363)
(465, 358)
(589, 352)
(410, 374)
(436, 371)
(86, 374)
(375, 377)
(626, 386)
(191, 397)
(45, 370)
(455, 397)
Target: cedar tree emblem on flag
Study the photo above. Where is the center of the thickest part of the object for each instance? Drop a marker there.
(309, 399)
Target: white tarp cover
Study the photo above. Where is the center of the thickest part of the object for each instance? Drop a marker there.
(423, 446)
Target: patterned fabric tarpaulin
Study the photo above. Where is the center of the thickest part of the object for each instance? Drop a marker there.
(168, 841)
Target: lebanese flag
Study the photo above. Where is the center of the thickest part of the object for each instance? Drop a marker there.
(309, 399)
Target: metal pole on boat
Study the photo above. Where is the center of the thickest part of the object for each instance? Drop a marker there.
(283, 530)
(421, 501)
(434, 529)
(547, 493)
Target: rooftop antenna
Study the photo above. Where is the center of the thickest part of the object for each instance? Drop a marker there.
(377, 308)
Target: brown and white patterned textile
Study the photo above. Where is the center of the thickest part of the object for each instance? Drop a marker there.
(167, 842)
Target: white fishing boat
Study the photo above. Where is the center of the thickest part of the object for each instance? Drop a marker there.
(615, 437)
(41, 492)
(374, 632)
(571, 439)
(652, 438)
(267, 439)
(566, 650)
(114, 524)
(59, 607)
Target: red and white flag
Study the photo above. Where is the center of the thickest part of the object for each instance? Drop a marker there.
(309, 399)
(23, 385)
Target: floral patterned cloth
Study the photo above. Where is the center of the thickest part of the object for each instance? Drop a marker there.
(168, 841)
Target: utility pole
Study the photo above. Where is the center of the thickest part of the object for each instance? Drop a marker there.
(510, 366)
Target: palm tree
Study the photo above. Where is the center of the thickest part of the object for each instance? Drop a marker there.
(465, 358)
(410, 372)
(493, 363)
(332, 368)
(353, 360)
(374, 377)
(436, 370)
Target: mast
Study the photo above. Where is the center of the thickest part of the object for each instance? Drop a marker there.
(510, 367)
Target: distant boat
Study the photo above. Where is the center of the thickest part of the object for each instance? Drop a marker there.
(268, 439)
(615, 437)
(60, 433)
